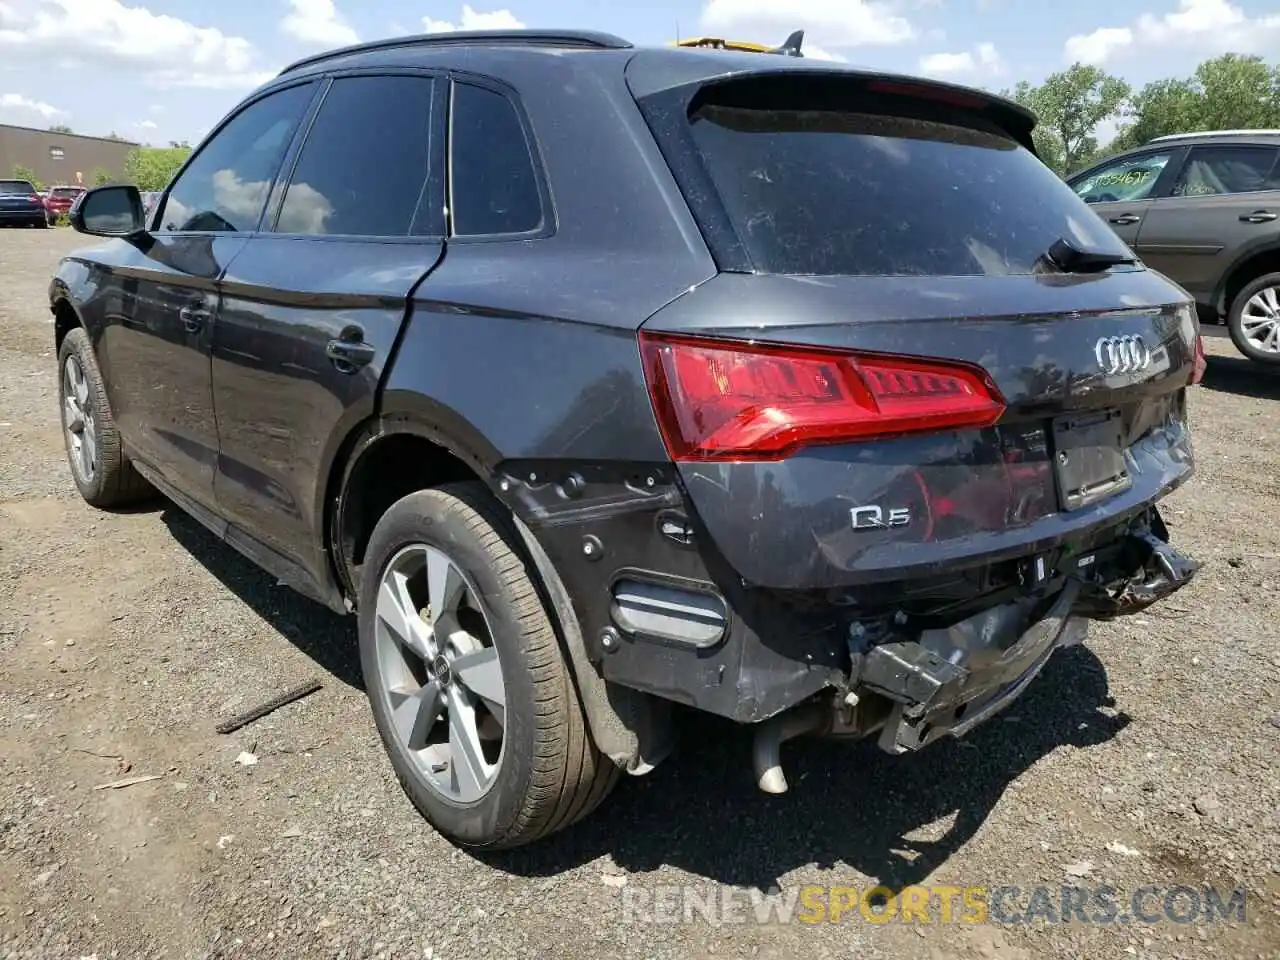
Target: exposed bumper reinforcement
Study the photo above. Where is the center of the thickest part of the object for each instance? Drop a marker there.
(935, 696)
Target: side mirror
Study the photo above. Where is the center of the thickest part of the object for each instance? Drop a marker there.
(114, 211)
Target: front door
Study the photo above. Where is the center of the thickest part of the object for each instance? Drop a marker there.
(1122, 192)
(313, 306)
(157, 349)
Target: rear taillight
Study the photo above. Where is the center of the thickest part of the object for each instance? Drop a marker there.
(1201, 364)
(729, 400)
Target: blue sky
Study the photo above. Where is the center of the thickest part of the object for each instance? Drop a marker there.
(160, 70)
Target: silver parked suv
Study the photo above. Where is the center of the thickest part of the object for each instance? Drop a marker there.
(1204, 210)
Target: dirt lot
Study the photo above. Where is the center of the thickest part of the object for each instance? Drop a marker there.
(1151, 757)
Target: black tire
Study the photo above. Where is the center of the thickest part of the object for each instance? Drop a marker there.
(551, 773)
(114, 482)
(1235, 317)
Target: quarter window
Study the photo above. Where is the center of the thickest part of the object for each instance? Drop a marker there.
(365, 162)
(493, 180)
(1211, 171)
(225, 186)
(1131, 179)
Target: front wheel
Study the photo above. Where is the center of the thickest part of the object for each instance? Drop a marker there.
(1254, 320)
(469, 689)
(103, 474)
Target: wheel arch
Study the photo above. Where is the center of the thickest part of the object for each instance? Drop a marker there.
(1257, 259)
(382, 459)
(628, 726)
(65, 318)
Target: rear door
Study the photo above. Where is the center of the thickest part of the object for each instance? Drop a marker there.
(1223, 199)
(1124, 191)
(313, 305)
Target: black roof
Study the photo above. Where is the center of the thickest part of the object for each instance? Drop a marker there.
(581, 39)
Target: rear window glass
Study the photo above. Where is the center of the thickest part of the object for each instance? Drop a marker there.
(16, 186)
(65, 192)
(825, 192)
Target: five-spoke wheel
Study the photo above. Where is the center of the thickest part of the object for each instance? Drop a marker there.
(440, 672)
(469, 688)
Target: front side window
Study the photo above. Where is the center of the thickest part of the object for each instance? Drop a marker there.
(493, 180)
(1212, 171)
(225, 186)
(365, 162)
(1131, 179)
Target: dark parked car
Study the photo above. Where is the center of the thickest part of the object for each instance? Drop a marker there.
(599, 380)
(1204, 209)
(21, 205)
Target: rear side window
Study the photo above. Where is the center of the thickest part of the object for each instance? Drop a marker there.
(16, 187)
(1212, 171)
(365, 162)
(493, 181)
(826, 192)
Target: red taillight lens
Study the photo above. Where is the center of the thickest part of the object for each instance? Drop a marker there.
(1201, 364)
(724, 400)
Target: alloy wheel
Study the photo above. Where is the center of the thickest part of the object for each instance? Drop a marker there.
(439, 672)
(1260, 320)
(77, 417)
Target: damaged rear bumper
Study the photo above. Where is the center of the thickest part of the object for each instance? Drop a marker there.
(947, 682)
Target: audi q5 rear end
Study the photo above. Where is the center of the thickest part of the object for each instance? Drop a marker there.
(605, 380)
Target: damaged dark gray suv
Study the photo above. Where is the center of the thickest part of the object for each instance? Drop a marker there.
(598, 380)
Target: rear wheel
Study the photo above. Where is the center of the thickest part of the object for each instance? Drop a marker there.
(1254, 320)
(469, 690)
(102, 473)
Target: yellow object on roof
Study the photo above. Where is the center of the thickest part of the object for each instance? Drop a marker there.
(790, 47)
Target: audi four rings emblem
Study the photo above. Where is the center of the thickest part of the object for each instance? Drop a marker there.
(1118, 355)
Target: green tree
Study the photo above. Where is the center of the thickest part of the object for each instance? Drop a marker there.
(101, 177)
(1070, 105)
(1229, 92)
(60, 128)
(26, 173)
(151, 168)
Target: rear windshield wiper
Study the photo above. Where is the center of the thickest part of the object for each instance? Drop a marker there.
(1069, 258)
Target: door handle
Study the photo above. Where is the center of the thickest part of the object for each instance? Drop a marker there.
(349, 355)
(1258, 216)
(193, 317)
(1125, 219)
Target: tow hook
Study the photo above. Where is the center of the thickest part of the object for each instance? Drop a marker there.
(1161, 570)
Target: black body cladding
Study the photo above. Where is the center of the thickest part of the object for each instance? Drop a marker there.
(253, 368)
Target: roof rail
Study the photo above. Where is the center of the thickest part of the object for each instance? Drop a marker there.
(587, 39)
(1215, 133)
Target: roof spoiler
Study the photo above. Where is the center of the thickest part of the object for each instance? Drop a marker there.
(791, 46)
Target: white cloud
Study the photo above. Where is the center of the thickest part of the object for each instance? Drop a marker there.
(1205, 27)
(17, 104)
(1099, 46)
(475, 20)
(814, 52)
(107, 33)
(834, 23)
(147, 124)
(318, 22)
(983, 60)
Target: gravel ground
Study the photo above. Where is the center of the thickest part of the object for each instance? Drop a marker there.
(1149, 757)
